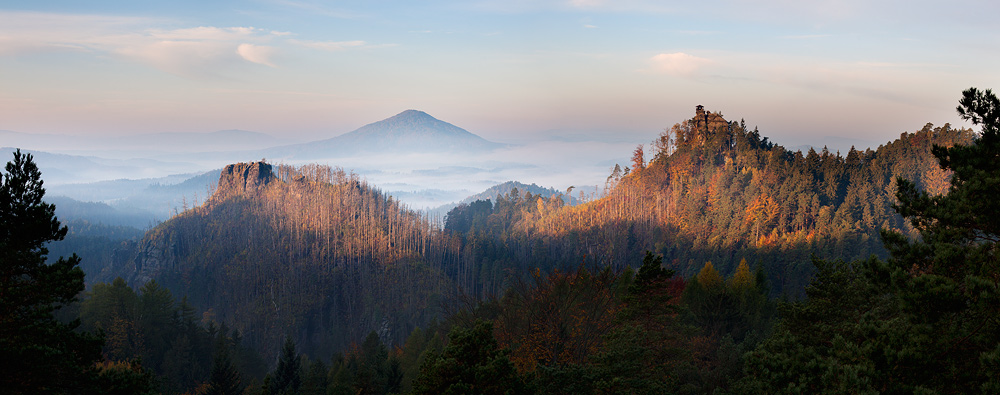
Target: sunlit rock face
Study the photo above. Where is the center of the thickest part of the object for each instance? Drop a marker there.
(240, 178)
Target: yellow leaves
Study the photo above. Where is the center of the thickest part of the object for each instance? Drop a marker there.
(742, 279)
(937, 180)
(708, 277)
(762, 208)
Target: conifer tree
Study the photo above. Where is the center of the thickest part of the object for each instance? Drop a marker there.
(38, 354)
(923, 321)
(225, 379)
(286, 379)
(472, 363)
(946, 281)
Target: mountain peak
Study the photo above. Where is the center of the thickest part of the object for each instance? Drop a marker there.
(411, 119)
(416, 130)
(413, 113)
(411, 131)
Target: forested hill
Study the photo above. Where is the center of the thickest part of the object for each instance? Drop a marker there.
(309, 251)
(318, 254)
(506, 188)
(718, 192)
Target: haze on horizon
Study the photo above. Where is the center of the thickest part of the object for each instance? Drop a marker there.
(506, 70)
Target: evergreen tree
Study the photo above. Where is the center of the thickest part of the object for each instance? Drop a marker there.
(394, 375)
(156, 321)
(179, 364)
(225, 379)
(286, 380)
(314, 380)
(341, 377)
(125, 378)
(926, 319)
(946, 281)
(472, 363)
(38, 354)
(371, 375)
(650, 274)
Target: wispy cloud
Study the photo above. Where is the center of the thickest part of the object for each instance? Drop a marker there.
(621, 5)
(329, 45)
(678, 64)
(520, 6)
(192, 52)
(319, 9)
(698, 32)
(203, 33)
(587, 3)
(31, 32)
(806, 36)
(260, 54)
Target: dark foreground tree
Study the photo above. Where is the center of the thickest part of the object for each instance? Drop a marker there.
(286, 378)
(948, 281)
(38, 354)
(225, 378)
(927, 320)
(472, 363)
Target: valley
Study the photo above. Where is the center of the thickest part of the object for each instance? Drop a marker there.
(688, 246)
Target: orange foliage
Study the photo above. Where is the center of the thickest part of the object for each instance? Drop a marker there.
(561, 318)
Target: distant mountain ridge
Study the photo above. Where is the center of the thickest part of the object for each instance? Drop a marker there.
(410, 131)
(509, 186)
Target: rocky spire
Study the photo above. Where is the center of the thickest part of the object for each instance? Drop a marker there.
(244, 177)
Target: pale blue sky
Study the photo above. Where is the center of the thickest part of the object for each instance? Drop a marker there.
(800, 70)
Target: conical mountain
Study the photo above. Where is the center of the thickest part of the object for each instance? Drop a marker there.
(410, 131)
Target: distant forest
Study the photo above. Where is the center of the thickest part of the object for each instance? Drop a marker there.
(725, 264)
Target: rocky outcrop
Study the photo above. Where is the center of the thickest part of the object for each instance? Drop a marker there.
(708, 121)
(240, 178)
(154, 255)
(160, 248)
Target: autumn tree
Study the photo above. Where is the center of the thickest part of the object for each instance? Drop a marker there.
(922, 321)
(561, 318)
(638, 159)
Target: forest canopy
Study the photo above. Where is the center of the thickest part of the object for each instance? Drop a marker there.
(726, 264)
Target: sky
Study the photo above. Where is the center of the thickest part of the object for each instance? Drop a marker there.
(508, 70)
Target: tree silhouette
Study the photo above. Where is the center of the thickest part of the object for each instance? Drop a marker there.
(37, 353)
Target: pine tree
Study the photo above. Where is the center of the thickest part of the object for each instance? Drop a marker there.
(926, 319)
(37, 353)
(225, 379)
(285, 379)
(371, 376)
(472, 363)
(946, 281)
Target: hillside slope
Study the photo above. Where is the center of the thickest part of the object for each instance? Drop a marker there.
(318, 254)
(310, 251)
(716, 192)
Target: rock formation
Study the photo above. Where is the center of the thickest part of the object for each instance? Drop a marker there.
(240, 178)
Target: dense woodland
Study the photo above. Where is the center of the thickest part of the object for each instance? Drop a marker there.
(713, 192)
(725, 264)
